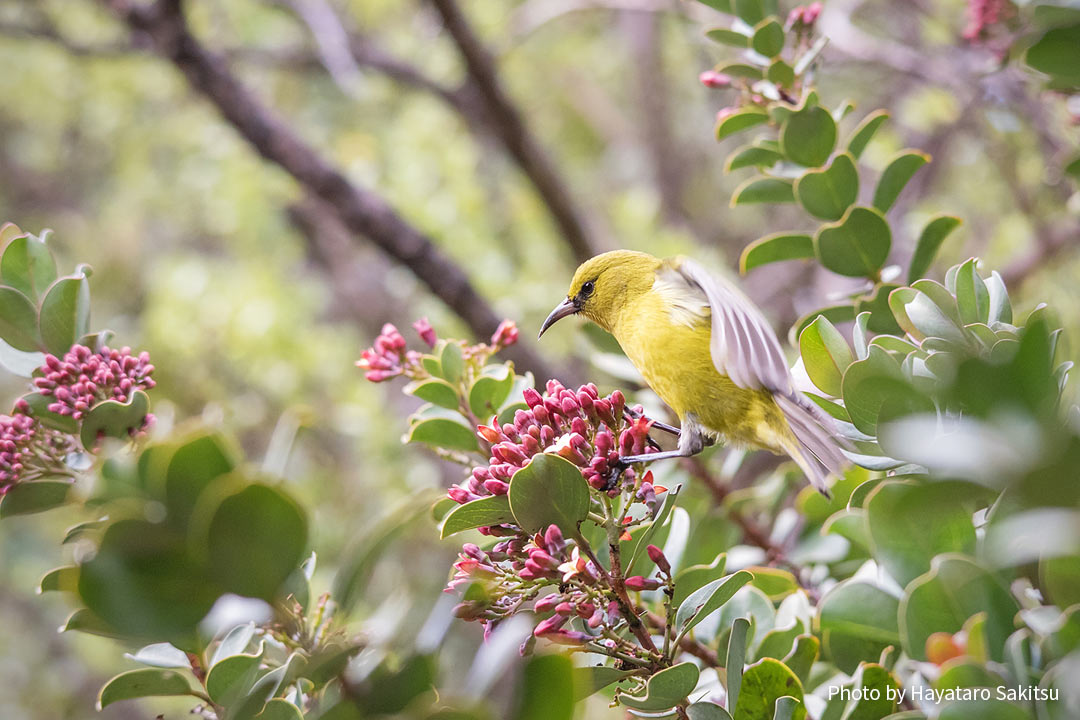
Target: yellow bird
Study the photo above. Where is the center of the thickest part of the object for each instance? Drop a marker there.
(708, 352)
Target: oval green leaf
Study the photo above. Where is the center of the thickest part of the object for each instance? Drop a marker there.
(768, 38)
(929, 243)
(862, 134)
(763, 684)
(827, 194)
(825, 355)
(665, 689)
(549, 491)
(896, 175)
(740, 120)
(444, 433)
(28, 266)
(856, 246)
(435, 391)
(33, 497)
(808, 136)
(494, 510)
(776, 248)
(18, 320)
(64, 315)
(763, 190)
(707, 599)
(143, 683)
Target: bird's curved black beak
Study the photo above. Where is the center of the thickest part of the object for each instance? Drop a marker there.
(566, 307)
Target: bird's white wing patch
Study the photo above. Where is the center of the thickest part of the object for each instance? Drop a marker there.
(687, 303)
(744, 346)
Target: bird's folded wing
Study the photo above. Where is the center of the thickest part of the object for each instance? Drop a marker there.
(744, 346)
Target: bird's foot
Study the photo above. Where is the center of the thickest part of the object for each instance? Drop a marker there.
(615, 471)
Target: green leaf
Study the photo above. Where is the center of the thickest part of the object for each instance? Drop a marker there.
(143, 683)
(231, 677)
(943, 599)
(728, 37)
(776, 248)
(928, 309)
(825, 355)
(18, 320)
(280, 709)
(768, 38)
(877, 304)
(896, 176)
(494, 510)
(61, 579)
(781, 74)
(196, 463)
(665, 689)
(28, 266)
(697, 576)
(834, 314)
(856, 246)
(547, 689)
(827, 194)
(549, 491)
(1057, 53)
(750, 12)
(736, 658)
(723, 6)
(444, 433)
(162, 655)
(235, 642)
(980, 709)
(64, 316)
(742, 70)
(972, 296)
(740, 120)
(435, 391)
(778, 642)
(705, 710)
(787, 707)
(752, 156)
(801, 658)
(115, 419)
(593, 678)
(876, 691)
(911, 523)
(489, 392)
(929, 242)
(705, 600)
(763, 190)
(763, 683)
(857, 621)
(452, 362)
(255, 539)
(808, 136)
(861, 136)
(875, 384)
(1060, 578)
(143, 583)
(34, 496)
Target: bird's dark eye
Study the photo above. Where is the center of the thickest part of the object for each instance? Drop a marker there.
(587, 288)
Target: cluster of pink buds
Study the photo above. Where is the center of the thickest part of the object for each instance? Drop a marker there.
(588, 430)
(16, 434)
(83, 378)
(983, 15)
(388, 358)
(804, 16)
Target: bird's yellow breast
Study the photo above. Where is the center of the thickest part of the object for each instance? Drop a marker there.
(674, 358)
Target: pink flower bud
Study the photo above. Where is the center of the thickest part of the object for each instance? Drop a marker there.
(425, 331)
(496, 487)
(565, 608)
(553, 539)
(532, 398)
(505, 335)
(547, 603)
(638, 583)
(550, 625)
(657, 556)
(713, 79)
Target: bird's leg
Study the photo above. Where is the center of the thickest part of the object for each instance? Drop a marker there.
(670, 429)
(691, 442)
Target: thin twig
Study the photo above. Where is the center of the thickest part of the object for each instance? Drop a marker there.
(365, 213)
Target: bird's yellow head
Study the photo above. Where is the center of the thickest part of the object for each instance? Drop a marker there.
(604, 284)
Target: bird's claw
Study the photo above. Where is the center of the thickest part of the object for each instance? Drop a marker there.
(614, 472)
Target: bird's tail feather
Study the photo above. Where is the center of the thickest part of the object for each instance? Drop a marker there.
(816, 445)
